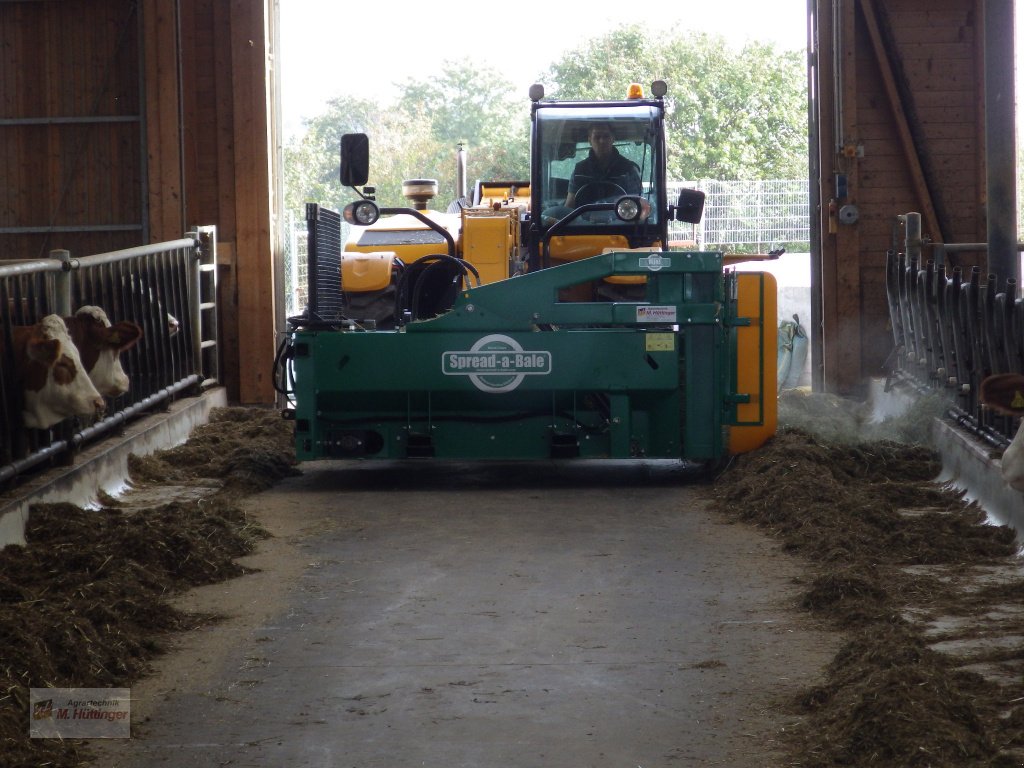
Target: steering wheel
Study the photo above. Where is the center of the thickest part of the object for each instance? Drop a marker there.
(595, 191)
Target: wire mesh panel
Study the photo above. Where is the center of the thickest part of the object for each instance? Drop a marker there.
(324, 263)
(749, 215)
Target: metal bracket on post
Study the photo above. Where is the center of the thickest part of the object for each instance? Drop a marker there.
(195, 314)
(62, 283)
(912, 236)
(203, 303)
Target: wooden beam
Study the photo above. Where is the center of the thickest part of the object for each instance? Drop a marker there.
(836, 63)
(845, 377)
(163, 120)
(979, 105)
(902, 124)
(823, 279)
(227, 229)
(252, 171)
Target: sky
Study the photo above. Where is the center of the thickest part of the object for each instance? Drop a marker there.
(328, 49)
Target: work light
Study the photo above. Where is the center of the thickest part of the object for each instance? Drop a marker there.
(361, 213)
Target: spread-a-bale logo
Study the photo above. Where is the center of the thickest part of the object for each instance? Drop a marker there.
(655, 262)
(496, 363)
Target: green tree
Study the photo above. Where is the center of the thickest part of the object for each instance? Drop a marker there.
(732, 114)
(478, 109)
(311, 160)
(604, 68)
(415, 138)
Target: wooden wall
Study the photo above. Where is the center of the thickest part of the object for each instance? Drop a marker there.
(125, 122)
(229, 154)
(900, 105)
(70, 127)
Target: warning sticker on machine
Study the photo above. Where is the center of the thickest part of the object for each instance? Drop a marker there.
(653, 314)
(660, 342)
(496, 363)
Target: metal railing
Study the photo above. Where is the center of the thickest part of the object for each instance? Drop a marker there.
(952, 328)
(169, 289)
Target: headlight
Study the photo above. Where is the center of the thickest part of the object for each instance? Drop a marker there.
(361, 213)
(632, 209)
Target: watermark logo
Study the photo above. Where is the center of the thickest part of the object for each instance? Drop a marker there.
(80, 713)
(496, 363)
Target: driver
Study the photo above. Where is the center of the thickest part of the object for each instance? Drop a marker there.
(604, 168)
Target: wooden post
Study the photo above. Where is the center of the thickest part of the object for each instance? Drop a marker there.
(250, 64)
(163, 120)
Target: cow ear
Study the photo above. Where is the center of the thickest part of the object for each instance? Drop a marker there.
(1004, 392)
(45, 351)
(124, 335)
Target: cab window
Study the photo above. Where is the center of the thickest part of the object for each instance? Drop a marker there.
(567, 165)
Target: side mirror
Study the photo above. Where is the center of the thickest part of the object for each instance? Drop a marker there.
(690, 207)
(355, 159)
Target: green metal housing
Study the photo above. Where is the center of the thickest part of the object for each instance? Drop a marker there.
(511, 372)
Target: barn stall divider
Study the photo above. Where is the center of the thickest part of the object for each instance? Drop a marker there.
(169, 289)
(952, 327)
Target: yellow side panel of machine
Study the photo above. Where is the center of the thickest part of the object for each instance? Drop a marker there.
(632, 279)
(489, 241)
(756, 361)
(404, 235)
(565, 249)
(361, 272)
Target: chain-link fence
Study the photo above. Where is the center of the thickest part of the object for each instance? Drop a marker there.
(748, 216)
(739, 217)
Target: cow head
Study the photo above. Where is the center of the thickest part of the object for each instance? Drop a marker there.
(1004, 393)
(100, 345)
(49, 369)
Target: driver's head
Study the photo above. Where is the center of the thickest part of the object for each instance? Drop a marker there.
(601, 139)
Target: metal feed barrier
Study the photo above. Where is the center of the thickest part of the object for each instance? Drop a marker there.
(169, 289)
(952, 328)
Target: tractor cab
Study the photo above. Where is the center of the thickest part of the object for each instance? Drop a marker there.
(571, 174)
(598, 178)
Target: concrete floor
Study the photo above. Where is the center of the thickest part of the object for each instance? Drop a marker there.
(496, 615)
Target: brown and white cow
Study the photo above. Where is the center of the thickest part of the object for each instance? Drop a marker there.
(1004, 393)
(100, 344)
(48, 370)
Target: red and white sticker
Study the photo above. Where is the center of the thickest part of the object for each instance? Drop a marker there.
(656, 314)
